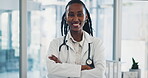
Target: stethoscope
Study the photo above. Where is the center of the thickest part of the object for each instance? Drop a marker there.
(89, 61)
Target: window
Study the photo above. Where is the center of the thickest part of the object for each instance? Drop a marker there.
(9, 39)
(134, 35)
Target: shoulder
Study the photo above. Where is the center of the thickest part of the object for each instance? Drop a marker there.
(96, 40)
(57, 40)
(92, 39)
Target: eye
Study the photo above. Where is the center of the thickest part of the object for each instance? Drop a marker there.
(80, 14)
(71, 15)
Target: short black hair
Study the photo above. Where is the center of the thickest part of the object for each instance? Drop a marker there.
(88, 24)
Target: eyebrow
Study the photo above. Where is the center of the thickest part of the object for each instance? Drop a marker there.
(71, 12)
(77, 12)
(80, 11)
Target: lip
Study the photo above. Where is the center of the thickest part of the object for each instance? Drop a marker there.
(76, 25)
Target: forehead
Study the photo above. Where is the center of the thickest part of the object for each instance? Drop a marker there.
(75, 7)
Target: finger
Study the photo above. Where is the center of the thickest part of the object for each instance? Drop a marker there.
(89, 68)
(53, 56)
(50, 57)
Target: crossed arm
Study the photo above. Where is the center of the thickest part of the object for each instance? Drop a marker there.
(55, 59)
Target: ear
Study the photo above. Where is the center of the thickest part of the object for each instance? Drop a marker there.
(65, 16)
(86, 17)
(65, 20)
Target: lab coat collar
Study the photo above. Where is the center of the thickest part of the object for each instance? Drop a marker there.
(88, 39)
(74, 41)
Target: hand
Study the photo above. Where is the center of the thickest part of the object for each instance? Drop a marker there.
(85, 67)
(54, 58)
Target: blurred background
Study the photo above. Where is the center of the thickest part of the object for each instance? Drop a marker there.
(43, 25)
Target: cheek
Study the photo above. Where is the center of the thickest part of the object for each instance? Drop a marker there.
(82, 18)
(68, 19)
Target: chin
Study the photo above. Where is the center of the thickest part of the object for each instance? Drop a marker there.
(76, 30)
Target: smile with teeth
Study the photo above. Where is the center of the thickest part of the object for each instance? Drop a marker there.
(76, 25)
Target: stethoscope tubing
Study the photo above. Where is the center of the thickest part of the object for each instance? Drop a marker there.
(89, 61)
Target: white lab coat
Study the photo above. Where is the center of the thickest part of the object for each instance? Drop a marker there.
(68, 68)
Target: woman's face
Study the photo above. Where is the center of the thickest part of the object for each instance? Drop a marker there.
(76, 17)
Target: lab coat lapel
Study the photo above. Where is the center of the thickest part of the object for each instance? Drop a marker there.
(85, 46)
(69, 43)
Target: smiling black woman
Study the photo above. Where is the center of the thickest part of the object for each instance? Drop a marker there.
(77, 54)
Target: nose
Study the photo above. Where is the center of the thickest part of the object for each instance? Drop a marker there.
(76, 19)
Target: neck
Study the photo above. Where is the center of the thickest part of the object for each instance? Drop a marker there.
(77, 35)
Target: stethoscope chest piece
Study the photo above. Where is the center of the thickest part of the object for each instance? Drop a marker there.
(89, 62)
